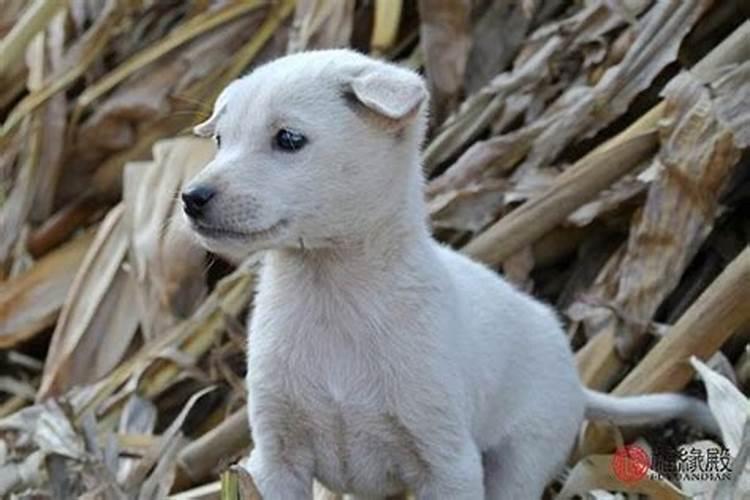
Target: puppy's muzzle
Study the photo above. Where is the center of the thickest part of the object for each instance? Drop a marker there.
(195, 200)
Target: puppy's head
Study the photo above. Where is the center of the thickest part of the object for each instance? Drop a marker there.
(312, 149)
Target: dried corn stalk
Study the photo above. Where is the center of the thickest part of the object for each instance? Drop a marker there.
(697, 156)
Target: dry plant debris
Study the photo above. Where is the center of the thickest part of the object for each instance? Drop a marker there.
(595, 152)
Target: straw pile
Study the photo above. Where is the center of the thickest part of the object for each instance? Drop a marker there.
(594, 152)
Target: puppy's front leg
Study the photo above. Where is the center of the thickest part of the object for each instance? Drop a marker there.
(458, 477)
(282, 461)
(277, 479)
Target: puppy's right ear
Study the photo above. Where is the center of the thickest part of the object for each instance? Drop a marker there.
(391, 92)
(208, 127)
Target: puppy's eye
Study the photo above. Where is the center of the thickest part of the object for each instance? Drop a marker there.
(289, 140)
(217, 138)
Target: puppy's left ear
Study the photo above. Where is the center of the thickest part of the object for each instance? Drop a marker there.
(393, 92)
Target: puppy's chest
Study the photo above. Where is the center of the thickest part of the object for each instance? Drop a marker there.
(337, 391)
(336, 338)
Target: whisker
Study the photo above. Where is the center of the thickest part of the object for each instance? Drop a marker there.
(190, 100)
(198, 115)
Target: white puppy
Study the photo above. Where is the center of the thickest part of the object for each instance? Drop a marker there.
(379, 359)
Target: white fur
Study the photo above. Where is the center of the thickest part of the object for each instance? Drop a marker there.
(379, 359)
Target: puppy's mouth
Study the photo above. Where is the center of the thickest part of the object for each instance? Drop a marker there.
(223, 233)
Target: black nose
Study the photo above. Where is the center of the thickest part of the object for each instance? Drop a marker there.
(195, 200)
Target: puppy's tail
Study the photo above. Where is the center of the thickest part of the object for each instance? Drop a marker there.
(649, 409)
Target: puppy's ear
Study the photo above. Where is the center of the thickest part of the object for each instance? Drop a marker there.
(208, 127)
(389, 91)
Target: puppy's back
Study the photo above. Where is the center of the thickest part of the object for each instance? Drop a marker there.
(514, 350)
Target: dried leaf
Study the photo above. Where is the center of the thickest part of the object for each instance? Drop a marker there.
(496, 37)
(17, 476)
(17, 206)
(31, 301)
(387, 20)
(169, 442)
(187, 31)
(77, 59)
(194, 336)
(53, 124)
(534, 75)
(731, 104)
(35, 17)
(697, 157)
(97, 322)
(165, 260)
(445, 43)
(470, 208)
(728, 405)
(321, 24)
(484, 107)
(623, 191)
(138, 417)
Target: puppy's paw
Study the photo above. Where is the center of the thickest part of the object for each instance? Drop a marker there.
(248, 489)
(275, 480)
